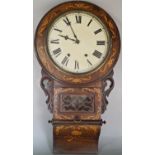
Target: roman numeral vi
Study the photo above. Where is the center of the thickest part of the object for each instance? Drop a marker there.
(76, 64)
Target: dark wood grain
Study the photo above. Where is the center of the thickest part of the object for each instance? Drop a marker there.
(76, 138)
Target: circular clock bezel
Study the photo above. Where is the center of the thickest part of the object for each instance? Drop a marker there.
(107, 34)
(41, 46)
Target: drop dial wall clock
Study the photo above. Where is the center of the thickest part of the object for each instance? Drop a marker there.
(77, 45)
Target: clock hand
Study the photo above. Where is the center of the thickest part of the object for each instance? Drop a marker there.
(75, 36)
(77, 40)
(67, 38)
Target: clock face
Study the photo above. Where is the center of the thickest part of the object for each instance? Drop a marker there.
(78, 42)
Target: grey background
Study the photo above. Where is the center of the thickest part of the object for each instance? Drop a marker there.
(110, 139)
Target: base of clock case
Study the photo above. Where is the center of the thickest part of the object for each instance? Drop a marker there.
(76, 139)
(76, 147)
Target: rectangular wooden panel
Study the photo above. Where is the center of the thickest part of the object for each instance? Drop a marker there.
(76, 138)
(77, 103)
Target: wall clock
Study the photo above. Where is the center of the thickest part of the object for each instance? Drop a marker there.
(77, 45)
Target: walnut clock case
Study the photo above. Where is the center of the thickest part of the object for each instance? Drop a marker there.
(77, 45)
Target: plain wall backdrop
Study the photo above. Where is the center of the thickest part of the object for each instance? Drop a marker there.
(110, 139)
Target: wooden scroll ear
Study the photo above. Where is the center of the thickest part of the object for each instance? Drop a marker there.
(108, 85)
(46, 84)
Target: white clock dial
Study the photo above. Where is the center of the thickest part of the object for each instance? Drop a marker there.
(78, 42)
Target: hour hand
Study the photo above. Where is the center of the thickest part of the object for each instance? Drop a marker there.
(67, 38)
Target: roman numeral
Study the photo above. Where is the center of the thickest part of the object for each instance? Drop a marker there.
(76, 65)
(55, 41)
(57, 52)
(98, 31)
(89, 62)
(67, 21)
(89, 22)
(65, 60)
(97, 54)
(78, 19)
(58, 30)
(100, 42)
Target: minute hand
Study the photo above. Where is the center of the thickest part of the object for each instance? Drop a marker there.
(73, 32)
(77, 40)
(75, 36)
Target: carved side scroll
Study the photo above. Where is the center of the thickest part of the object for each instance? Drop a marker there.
(47, 86)
(107, 89)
